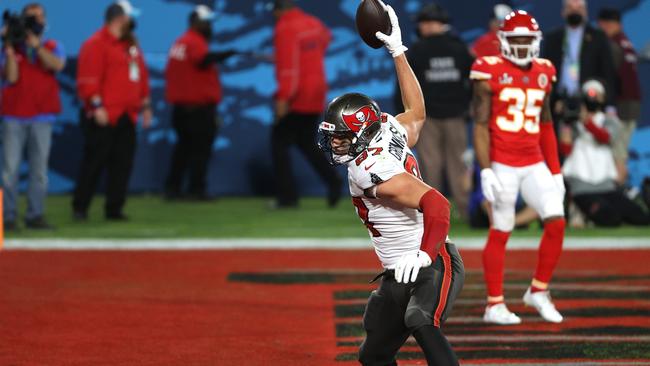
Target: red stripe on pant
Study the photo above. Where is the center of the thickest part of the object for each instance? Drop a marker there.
(446, 283)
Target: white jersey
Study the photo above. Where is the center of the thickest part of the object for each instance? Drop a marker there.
(395, 230)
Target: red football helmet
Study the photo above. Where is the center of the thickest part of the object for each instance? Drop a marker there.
(519, 24)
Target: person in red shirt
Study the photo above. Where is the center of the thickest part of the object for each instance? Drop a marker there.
(194, 90)
(300, 41)
(113, 85)
(488, 44)
(29, 105)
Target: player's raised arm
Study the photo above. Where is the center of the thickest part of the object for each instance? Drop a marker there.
(414, 111)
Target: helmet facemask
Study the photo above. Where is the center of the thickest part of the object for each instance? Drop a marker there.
(520, 53)
(341, 147)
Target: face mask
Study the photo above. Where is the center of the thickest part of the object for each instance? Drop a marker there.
(574, 19)
(206, 32)
(34, 26)
(593, 105)
(205, 28)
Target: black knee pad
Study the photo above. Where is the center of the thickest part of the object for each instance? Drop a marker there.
(415, 318)
(366, 358)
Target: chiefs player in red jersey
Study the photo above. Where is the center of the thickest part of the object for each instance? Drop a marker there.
(516, 147)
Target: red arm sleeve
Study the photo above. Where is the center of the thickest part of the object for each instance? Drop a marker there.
(144, 73)
(548, 143)
(435, 209)
(565, 149)
(90, 70)
(197, 51)
(286, 63)
(327, 36)
(600, 134)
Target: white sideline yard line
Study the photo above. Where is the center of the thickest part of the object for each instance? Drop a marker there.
(297, 243)
(523, 338)
(589, 363)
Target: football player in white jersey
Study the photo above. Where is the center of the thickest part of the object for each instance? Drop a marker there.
(407, 220)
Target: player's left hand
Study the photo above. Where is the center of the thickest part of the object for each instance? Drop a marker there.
(393, 41)
(281, 110)
(408, 266)
(147, 117)
(559, 183)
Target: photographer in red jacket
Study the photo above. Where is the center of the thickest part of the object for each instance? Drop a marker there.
(30, 104)
(194, 90)
(300, 41)
(113, 84)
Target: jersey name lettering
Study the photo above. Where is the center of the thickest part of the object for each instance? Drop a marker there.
(397, 144)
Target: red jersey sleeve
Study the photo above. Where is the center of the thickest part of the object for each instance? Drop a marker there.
(196, 51)
(327, 35)
(90, 69)
(144, 73)
(287, 62)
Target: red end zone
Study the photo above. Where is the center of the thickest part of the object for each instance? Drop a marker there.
(294, 307)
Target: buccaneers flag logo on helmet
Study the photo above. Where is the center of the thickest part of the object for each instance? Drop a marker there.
(365, 114)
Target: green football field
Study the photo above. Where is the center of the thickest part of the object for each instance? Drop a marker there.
(152, 217)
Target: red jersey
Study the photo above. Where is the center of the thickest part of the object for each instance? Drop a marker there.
(517, 100)
(301, 41)
(187, 81)
(115, 70)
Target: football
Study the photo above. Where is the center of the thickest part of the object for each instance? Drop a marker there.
(372, 18)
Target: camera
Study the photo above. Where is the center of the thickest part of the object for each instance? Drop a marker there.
(571, 108)
(17, 27)
(592, 104)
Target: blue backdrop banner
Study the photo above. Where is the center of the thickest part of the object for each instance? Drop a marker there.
(241, 162)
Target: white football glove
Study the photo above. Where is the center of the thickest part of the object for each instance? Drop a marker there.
(408, 266)
(559, 183)
(490, 184)
(393, 41)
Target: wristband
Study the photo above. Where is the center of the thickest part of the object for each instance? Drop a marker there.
(96, 102)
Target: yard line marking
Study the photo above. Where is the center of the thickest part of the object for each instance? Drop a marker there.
(297, 243)
(569, 286)
(523, 338)
(482, 301)
(547, 363)
(450, 320)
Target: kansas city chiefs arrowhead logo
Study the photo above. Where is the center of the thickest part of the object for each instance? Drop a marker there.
(362, 115)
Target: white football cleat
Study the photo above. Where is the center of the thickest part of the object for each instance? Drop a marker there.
(499, 314)
(541, 301)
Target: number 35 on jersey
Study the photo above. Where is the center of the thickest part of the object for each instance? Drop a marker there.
(518, 94)
(524, 107)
